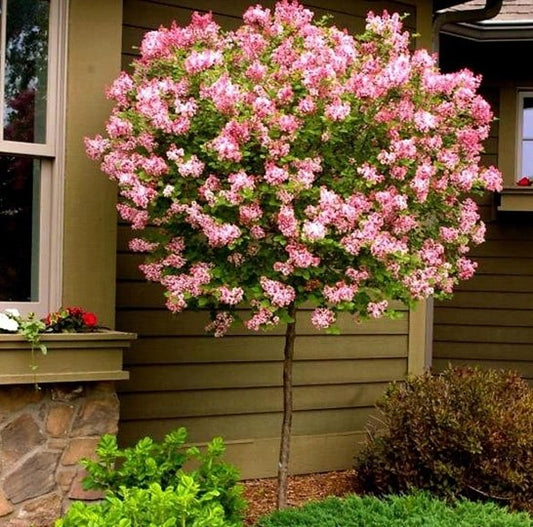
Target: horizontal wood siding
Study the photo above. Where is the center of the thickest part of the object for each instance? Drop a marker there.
(232, 386)
(489, 321)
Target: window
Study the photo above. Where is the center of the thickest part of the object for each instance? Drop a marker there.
(30, 175)
(524, 173)
(515, 148)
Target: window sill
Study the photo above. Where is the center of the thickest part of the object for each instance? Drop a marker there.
(516, 199)
(71, 357)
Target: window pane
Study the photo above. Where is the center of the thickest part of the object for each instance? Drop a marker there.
(19, 225)
(527, 159)
(527, 118)
(26, 61)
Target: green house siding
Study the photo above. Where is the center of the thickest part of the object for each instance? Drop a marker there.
(489, 321)
(232, 386)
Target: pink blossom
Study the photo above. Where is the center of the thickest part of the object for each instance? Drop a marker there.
(314, 230)
(221, 324)
(288, 123)
(274, 174)
(154, 165)
(478, 233)
(263, 106)
(137, 218)
(424, 121)
(224, 94)
(152, 271)
(154, 44)
(261, 318)
(285, 94)
(466, 268)
(340, 292)
(432, 253)
(370, 173)
(306, 105)
(120, 89)
(227, 148)
(357, 275)
(376, 309)
(492, 179)
(176, 303)
(281, 295)
(256, 71)
(117, 127)
(175, 261)
(257, 15)
(202, 60)
(96, 147)
(250, 213)
(322, 318)
(141, 246)
(231, 296)
(287, 222)
(192, 167)
(257, 232)
(300, 256)
(285, 268)
(420, 283)
(337, 110)
(448, 234)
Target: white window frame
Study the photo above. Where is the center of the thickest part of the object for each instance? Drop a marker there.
(51, 156)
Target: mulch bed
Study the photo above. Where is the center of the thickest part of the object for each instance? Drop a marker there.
(261, 493)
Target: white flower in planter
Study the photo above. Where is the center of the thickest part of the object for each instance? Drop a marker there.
(8, 322)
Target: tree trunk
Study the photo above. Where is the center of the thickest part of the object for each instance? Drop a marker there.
(284, 449)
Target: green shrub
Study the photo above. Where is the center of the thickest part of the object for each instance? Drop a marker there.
(148, 485)
(416, 510)
(152, 506)
(464, 432)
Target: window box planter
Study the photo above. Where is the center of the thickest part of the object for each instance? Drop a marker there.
(71, 357)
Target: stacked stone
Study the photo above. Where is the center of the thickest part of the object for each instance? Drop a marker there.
(44, 432)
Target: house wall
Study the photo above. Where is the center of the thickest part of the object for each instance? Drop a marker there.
(89, 234)
(490, 319)
(232, 386)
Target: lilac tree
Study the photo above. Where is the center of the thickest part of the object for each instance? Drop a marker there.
(288, 162)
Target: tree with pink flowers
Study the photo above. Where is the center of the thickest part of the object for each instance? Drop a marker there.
(288, 162)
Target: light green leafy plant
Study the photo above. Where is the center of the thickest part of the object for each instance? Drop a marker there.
(147, 485)
(181, 506)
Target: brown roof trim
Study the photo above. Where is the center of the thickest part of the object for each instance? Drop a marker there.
(497, 31)
(438, 5)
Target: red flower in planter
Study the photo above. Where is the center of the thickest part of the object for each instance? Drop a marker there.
(70, 319)
(525, 182)
(89, 319)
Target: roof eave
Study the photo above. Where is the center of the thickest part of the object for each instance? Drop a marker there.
(439, 5)
(495, 32)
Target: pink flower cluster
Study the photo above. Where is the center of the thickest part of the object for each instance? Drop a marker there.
(309, 166)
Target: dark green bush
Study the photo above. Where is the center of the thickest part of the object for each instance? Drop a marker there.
(148, 483)
(417, 510)
(464, 432)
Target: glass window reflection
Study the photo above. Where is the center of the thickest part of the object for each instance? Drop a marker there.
(19, 225)
(25, 72)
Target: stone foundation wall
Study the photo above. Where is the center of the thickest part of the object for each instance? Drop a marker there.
(44, 432)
